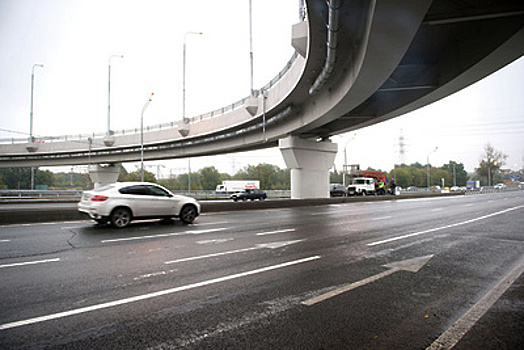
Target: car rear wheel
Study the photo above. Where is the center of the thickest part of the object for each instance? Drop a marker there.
(188, 214)
(120, 217)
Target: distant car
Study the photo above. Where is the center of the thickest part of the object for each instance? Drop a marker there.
(500, 186)
(337, 190)
(251, 194)
(435, 189)
(122, 202)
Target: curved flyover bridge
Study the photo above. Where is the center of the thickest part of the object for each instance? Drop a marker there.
(357, 63)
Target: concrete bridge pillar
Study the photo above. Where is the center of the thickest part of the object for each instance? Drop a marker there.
(309, 162)
(103, 175)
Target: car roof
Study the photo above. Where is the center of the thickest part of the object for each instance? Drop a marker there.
(126, 184)
(119, 185)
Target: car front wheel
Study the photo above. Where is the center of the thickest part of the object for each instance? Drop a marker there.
(120, 217)
(188, 214)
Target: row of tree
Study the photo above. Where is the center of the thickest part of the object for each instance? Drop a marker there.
(271, 177)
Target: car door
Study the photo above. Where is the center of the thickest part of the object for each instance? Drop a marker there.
(162, 202)
(139, 199)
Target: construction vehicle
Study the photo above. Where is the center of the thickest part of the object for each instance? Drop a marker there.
(363, 182)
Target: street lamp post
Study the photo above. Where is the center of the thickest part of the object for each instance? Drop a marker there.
(32, 93)
(109, 139)
(31, 147)
(142, 137)
(184, 131)
(109, 94)
(184, 77)
(251, 45)
(427, 164)
(490, 180)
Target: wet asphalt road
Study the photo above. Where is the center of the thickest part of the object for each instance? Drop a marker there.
(322, 277)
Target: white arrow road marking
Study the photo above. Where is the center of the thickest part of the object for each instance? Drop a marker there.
(195, 232)
(411, 265)
(153, 295)
(273, 245)
(30, 263)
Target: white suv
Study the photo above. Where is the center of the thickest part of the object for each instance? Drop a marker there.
(122, 202)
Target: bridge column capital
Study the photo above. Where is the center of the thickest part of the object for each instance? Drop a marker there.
(103, 175)
(309, 162)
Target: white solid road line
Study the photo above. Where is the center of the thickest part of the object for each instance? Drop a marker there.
(153, 295)
(381, 218)
(30, 263)
(453, 334)
(161, 235)
(272, 245)
(409, 235)
(275, 232)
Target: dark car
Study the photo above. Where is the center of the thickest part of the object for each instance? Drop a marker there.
(337, 190)
(251, 194)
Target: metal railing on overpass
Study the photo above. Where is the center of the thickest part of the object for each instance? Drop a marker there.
(157, 127)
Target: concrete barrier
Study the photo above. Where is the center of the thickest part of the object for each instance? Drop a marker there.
(54, 212)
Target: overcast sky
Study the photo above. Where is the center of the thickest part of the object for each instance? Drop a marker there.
(74, 40)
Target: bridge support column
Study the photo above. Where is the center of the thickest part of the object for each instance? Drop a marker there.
(103, 175)
(309, 162)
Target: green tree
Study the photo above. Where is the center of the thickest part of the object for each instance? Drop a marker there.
(71, 179)
(210, 178)
(335, 177)
(20, 178)
(490, 163)
(136, 176)
(438, 174)
(123, 173)
(461, 175)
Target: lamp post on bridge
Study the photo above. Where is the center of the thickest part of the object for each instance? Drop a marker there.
(109, 140)
(32, 147)
(186, 121)
(32, 139)
(251, 45)
(142, 137)
(184, 130)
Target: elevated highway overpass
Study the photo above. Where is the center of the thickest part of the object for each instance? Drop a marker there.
(357, 63)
